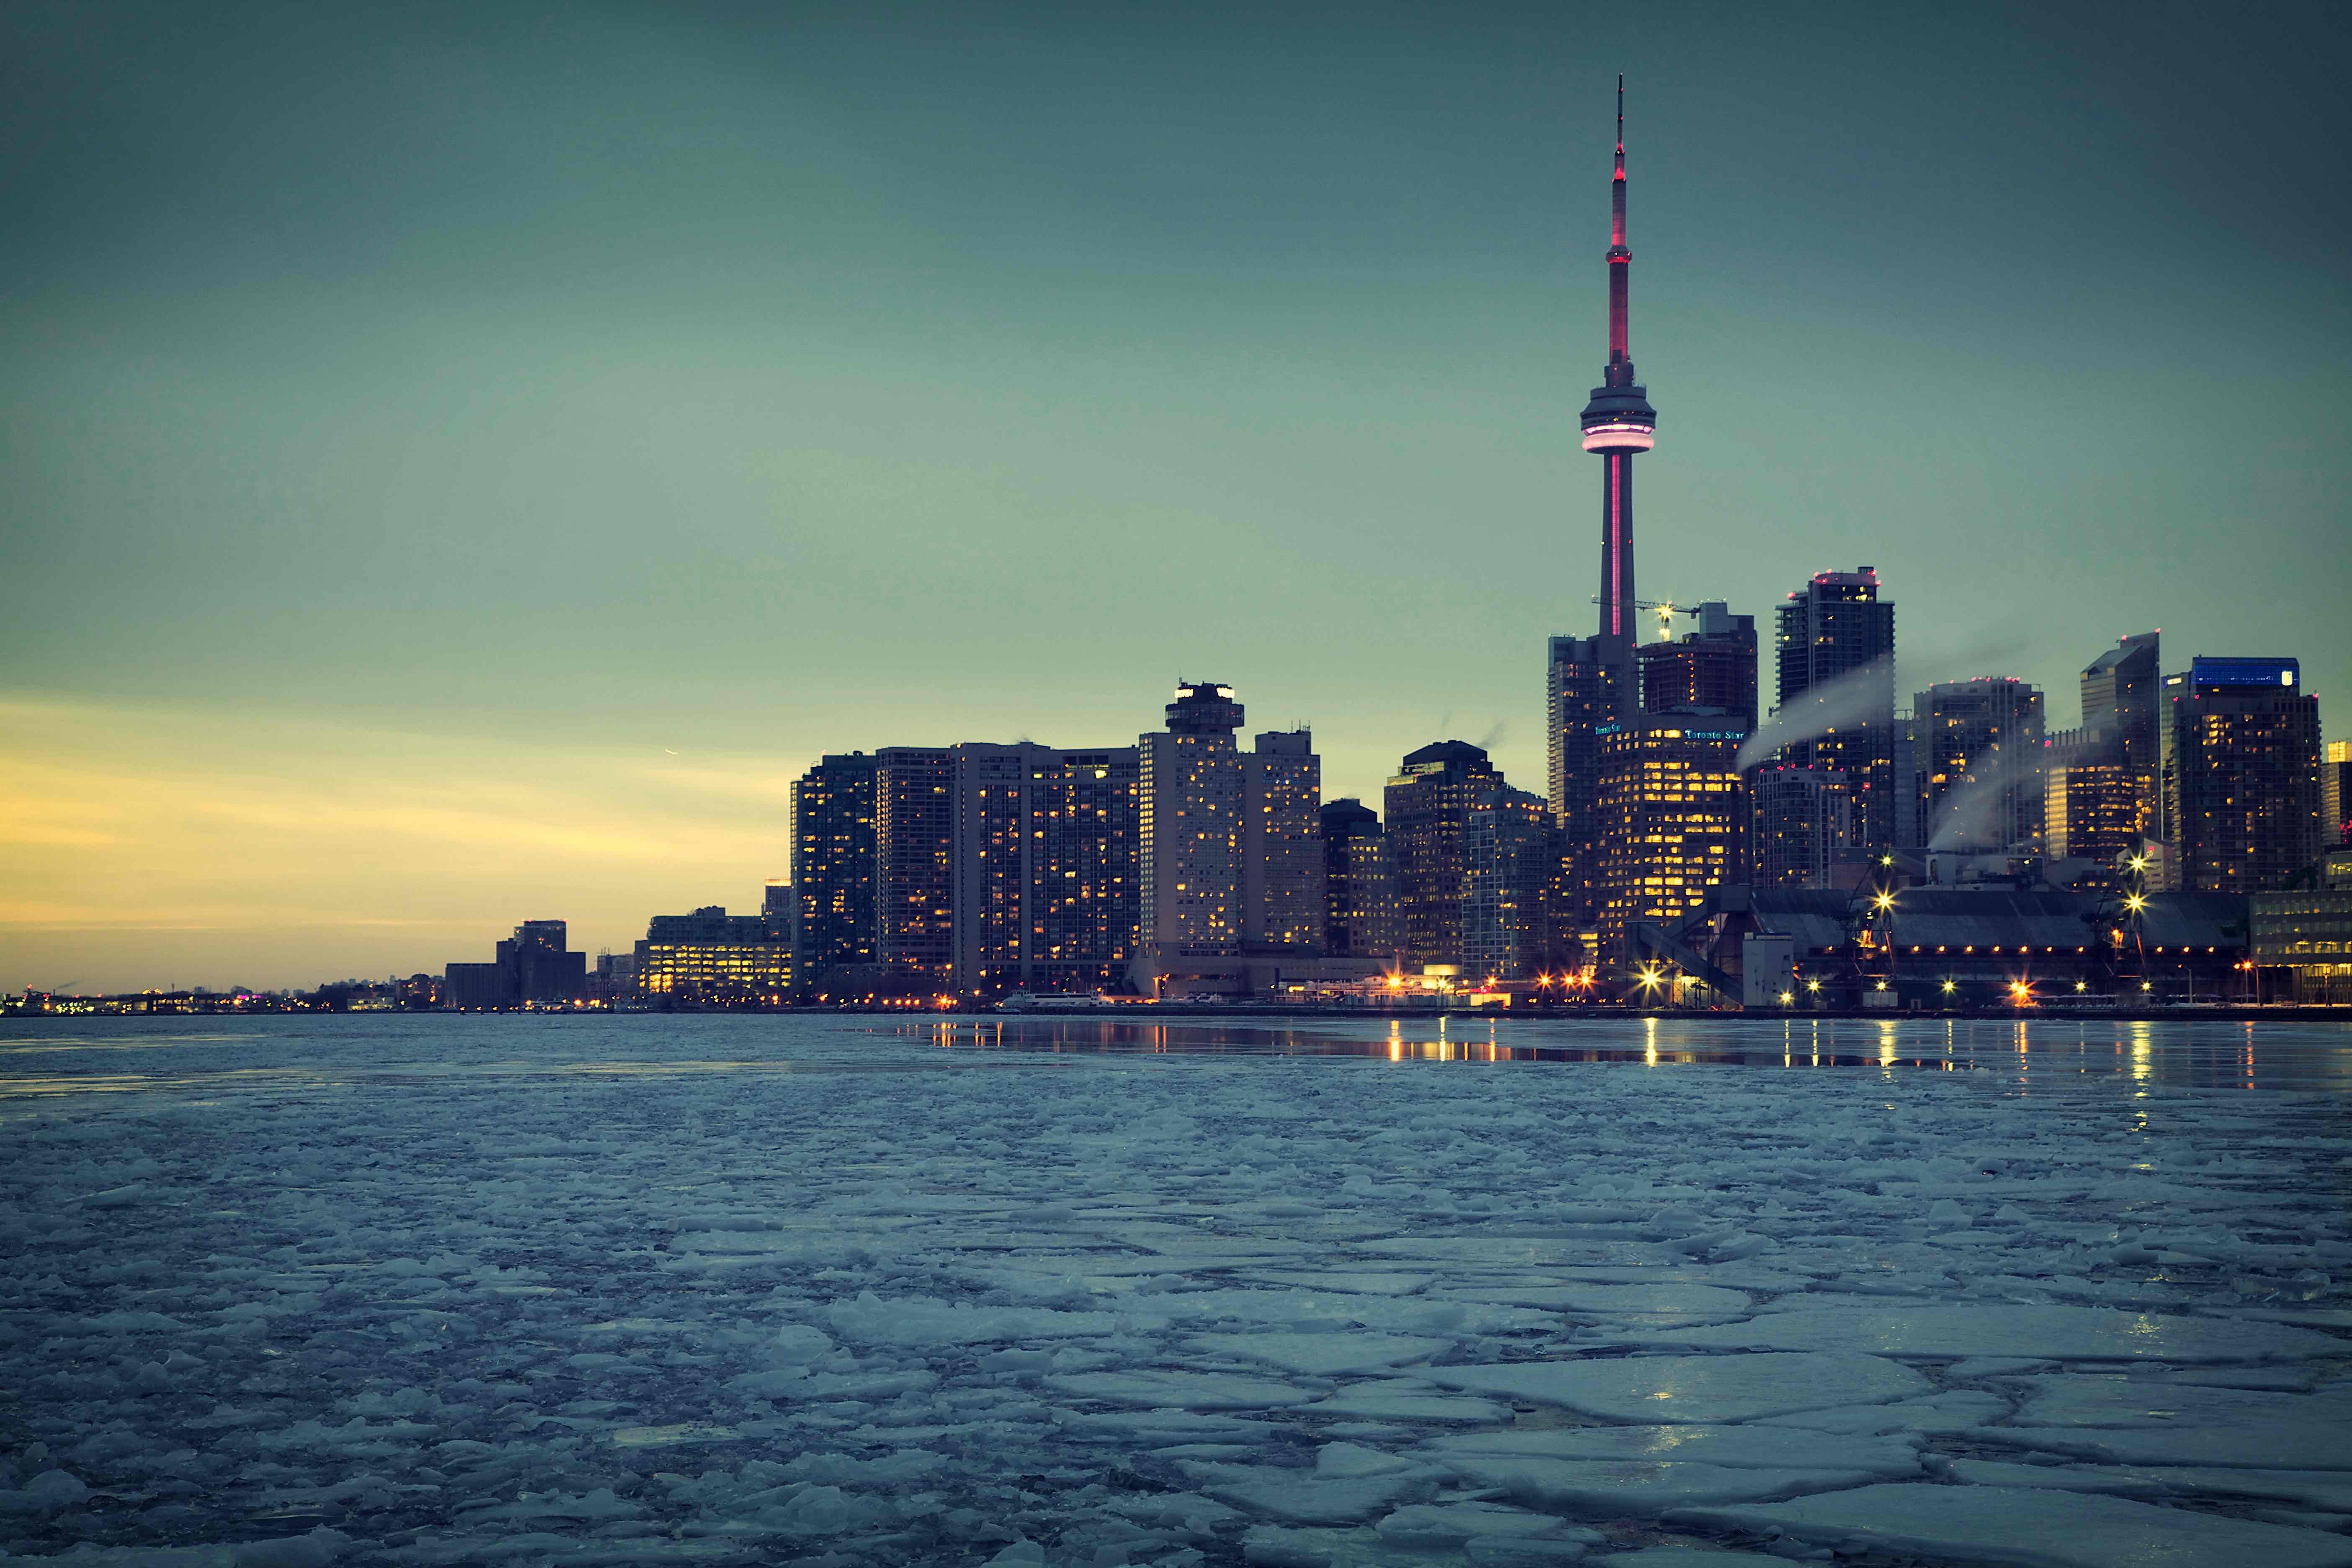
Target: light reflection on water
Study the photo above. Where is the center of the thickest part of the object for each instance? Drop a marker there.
(2204, 1054)
(43, 1060)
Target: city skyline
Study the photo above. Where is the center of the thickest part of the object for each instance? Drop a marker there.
(223, 766)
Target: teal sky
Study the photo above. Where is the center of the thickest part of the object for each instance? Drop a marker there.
(462, 461)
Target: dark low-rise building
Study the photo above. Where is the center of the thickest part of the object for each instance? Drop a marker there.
(1973, 946)
(535, 967)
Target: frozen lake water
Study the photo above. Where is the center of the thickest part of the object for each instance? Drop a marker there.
(1072, 1291)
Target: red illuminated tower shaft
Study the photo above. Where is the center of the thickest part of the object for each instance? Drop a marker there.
(1618, 423)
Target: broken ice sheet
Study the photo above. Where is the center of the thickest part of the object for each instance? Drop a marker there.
(1323, 1355)
(1736, 1447)
(1644, 1389)
(2031, 1528)
(1615, 1487)
(876, 1277)
(2061, 1333)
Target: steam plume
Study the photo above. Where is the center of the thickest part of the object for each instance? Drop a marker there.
(1854, 698)
(1976, 815)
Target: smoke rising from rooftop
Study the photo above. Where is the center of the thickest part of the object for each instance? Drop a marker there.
(1853, 699)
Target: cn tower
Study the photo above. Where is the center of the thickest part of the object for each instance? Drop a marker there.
(1618, 423)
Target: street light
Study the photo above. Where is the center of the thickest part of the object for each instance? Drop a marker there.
(1787, 998)
(1950, 986)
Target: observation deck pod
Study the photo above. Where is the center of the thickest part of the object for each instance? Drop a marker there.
(1620, 419)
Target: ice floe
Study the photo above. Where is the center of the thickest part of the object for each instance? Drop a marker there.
(2056, 1332)
(2030, 1529)
(1708, 1388)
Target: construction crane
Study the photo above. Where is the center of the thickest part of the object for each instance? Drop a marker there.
(1666, 610)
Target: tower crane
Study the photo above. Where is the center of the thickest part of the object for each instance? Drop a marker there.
(1664, 609)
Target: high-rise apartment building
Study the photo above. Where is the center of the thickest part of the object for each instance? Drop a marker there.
(2091, 805)
(2120, 703)
(1189, 811)
(1710, 670)
(914, 861)
(1509, 857)
(2242, 787)
(1674, 819)
(2102, 797)
(1281, 843)
(2336, 794)
(1045, 872)
(1581, 697)
(1360, 897)
(1426, 803)
(1981, 762)
(1835, 650)
(833, 866)
(1804, 822)
(1230, 850)
(778, 910)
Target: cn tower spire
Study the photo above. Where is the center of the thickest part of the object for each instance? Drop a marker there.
(1618, 423)
(1621, 260)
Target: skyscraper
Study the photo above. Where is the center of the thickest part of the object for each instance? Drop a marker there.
(832, 867)
(2103, 798)
(1360, 897)
(1045, 876)
(1426, 803)
(1803, 821)
(2242, 779)
(1580, 691)
(1507, 862)
(1980, 763)
(1231, 849)
(1710, 670)
(1674, 819)
(1190, 784)
(2119, 706)
(1282, 842)
(2336, 794)
(914, 861)
(1835, 650)
(2091, 805)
